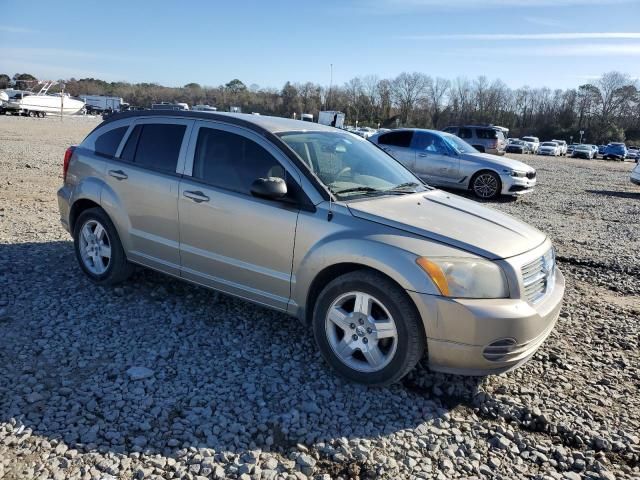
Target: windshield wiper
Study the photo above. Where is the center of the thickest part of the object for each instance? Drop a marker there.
(360, 189)
(402, 186)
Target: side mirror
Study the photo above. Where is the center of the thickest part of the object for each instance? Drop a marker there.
(271, 188)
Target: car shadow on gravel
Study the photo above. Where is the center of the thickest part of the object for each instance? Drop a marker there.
(614, 193)
(214, 371)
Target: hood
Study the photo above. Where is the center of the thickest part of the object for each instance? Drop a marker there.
(452, 220)
(499, 162)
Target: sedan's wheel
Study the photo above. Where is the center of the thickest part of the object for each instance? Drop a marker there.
(486, 185)
(95, 247)
(98, 248)
(367, 328)
(361, 332)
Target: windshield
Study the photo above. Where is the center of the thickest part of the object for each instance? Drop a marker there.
(350, 166)
(549, 144)
(458, 144)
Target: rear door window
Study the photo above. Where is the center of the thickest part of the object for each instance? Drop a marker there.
(465, 133)
(107, 144)
(396, 139)
(155, 146)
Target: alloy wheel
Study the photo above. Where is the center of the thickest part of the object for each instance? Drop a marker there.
(95, 247)
(361, 332)
(485, 185)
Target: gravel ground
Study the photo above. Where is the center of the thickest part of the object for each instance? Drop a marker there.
(161, 379)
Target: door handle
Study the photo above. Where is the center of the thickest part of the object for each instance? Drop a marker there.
(197, 196)
(422, 155)
(118, 174)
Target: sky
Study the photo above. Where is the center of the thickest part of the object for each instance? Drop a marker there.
(553, 43)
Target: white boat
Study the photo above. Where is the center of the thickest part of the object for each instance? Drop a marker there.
(42, 103)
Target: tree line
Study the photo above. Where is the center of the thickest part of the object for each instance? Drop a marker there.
(607, 109)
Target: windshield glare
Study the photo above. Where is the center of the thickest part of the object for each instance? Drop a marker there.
(344, 162)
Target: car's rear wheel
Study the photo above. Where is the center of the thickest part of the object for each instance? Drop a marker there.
(367, 328)
(98, 248)
(486, 185)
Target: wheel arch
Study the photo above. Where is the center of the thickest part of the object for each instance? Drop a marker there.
(481, 171)
(77, 208)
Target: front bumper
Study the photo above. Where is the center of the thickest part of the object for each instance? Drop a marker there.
(516, 185)
(462, 333)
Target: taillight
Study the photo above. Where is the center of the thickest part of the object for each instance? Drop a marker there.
(65, 165)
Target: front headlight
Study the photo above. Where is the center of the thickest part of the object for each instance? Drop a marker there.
(466, 277)
(515, 173)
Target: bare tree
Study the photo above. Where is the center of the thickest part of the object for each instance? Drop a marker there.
(407, 89)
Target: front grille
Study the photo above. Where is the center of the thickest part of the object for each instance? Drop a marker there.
(538, 276)
(531, 175)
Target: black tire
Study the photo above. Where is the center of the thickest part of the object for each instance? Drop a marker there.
(410, 336)
(119, 269)
(475, 188)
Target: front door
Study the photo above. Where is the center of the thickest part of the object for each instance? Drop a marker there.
(229, 239)
(435, 162)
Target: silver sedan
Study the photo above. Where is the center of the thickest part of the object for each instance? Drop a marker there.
(445, 160)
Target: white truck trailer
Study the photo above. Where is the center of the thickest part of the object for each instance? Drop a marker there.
(101, 103)
(332, 118)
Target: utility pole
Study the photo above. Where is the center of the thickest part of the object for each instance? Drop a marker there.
(61, 101)
(330, 85)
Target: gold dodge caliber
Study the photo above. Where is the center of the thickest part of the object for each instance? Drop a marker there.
(320, 224)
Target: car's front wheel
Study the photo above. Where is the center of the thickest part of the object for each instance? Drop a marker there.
(367, 328)
(486, 185)
(98, 248)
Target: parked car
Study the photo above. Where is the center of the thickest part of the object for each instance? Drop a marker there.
(485, 139)
(549, 148)
(615, 151)
(595, 150)
(563, 146)
(635, 174)
(380, 267)
(442, 159)
(364, 132)
(534, 143)
(601, 149)
(518, 146)
(583, 151)
(570, 148)
(632, 154)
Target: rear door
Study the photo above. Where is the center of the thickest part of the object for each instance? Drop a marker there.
(229, 239)
(142, 190)
(397, 143)
(435, 162)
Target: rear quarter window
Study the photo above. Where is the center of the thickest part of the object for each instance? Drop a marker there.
(107, 144)
(486, 133)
